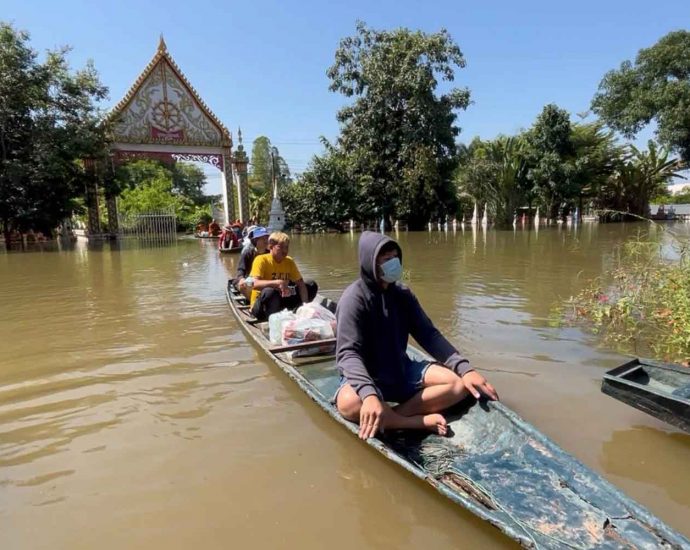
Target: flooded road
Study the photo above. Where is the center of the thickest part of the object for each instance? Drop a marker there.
(134, 413)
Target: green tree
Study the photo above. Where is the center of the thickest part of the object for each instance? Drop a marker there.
(263, 154)
(655, 88)
(186, 179)
(260, 168)
(398, 126)
(147, 185)
(550, 154)
(596, 156)
(323, 198)
(638, 178)
(189, 181)
(495, 173)
(49, 120)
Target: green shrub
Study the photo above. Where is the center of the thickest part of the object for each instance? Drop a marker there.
(642, 305)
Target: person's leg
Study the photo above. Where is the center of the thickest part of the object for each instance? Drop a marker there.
(349, 405)
(312, 289)
(266, 304)
(442, 389)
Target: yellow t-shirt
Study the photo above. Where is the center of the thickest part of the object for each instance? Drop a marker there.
(265, 267)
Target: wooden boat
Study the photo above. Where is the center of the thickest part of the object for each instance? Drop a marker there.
(659, 389)
(233, 250)
(494, 463)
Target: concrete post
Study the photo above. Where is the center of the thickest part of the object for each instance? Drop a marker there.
(94, 219)
(228, 189)
(111, 205)
(239, 166)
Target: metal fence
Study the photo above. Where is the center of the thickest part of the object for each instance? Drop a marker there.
(155, 225)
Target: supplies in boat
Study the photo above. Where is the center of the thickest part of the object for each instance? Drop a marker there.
(312, 322)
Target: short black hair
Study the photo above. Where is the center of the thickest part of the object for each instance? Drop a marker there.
(388, 247)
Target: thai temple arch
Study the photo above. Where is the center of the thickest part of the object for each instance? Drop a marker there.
(163, 117)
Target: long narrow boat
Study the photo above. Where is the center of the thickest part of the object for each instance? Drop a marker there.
(659, 389)
(233, 250)
(494, 463)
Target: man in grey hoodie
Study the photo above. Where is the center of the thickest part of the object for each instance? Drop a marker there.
(376, 315)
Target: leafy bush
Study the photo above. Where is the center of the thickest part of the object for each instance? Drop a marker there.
(643, 304)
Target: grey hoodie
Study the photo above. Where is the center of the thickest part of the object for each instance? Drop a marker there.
(374, 326)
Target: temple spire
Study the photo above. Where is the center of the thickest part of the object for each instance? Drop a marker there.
(162, 47)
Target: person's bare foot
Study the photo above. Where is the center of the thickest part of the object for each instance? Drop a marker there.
(435, 423)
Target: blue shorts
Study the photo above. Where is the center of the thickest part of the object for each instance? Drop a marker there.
(403, 389)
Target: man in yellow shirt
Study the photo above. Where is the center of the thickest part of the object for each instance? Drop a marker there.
(278, 284)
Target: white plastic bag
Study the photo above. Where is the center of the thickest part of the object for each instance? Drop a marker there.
(298, 331)
(275, 324)
(314, 310)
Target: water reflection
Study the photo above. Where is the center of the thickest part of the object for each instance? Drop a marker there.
(123, 376)
(650, 456)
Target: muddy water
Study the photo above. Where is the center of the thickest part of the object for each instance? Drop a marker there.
(135, 414)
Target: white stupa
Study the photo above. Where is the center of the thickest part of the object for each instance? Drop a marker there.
(276, 218)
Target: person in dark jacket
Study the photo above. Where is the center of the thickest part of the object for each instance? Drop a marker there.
(375, 317)
(258, 243)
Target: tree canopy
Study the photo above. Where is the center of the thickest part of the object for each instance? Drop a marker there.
(398, 135)
(654, 88)
(49, 120)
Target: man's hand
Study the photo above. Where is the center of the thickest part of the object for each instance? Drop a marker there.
(476, 383)
(283, 287)
(370, 416)
(242, 284)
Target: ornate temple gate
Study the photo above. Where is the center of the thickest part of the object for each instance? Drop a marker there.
(162, 117)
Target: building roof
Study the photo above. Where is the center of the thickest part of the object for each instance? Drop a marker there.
(162, 106)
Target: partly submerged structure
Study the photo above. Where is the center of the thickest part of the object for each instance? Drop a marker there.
(163, 117)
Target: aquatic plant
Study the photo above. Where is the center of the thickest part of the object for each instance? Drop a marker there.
(643, 303)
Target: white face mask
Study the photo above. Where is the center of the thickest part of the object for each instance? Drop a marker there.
(391, 270)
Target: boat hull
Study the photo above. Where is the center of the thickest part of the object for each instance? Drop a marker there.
(495, 465)
(659, 389)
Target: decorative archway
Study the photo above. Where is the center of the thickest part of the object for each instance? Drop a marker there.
(163, 117)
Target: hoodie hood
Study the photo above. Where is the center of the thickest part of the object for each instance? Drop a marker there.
(370, 244)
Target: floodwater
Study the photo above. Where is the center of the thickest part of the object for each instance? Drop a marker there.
(134, 413)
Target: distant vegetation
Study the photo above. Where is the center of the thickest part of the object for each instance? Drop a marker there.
(397, 156)
(642, 305)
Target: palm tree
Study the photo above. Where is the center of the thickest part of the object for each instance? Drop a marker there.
(259, 203)
(641, 176)
(494, 173)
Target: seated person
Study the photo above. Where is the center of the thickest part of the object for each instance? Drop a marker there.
(228, 238)
(278, 284)
(376, 315)
(201, 227)
(258, 244)
(213, 228)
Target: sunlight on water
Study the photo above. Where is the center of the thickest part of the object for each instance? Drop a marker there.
(135, 413)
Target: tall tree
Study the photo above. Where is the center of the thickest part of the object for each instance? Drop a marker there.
(550, 153)
(596, 156)
(655, 88)
(398, 126)
(495, 173)
(189, 180)
(49, 119)
(260, 169)
(323, 198)
(643, 175)
(265, 162)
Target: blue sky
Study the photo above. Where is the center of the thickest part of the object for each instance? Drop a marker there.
(262, 65)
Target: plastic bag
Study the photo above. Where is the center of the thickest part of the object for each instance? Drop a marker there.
(314, 310)
(275, 324)
(298, 331)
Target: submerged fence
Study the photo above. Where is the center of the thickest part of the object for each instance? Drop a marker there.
(155, 225)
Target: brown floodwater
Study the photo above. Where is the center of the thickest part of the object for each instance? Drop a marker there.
(134, 413)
